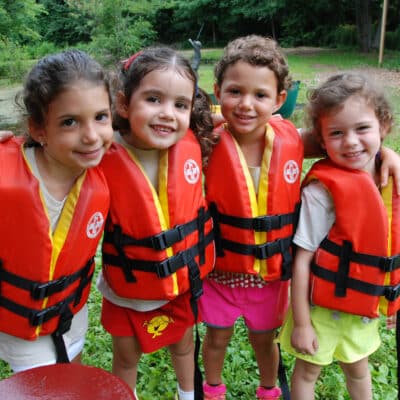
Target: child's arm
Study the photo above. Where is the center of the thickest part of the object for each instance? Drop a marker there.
(303, 339)
(390, 167)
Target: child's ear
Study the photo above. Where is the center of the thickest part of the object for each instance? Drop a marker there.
(122, 105)
(36, 131)
(217, 91)
(280, 99)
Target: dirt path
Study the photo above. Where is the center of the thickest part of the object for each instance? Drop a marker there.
(9, 114)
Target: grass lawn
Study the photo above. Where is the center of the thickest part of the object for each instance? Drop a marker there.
(156, 379)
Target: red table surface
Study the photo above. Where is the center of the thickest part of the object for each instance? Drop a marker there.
(64, 382)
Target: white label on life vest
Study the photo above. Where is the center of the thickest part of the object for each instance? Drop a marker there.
(94, 225)
(191, 171)
(291, 171)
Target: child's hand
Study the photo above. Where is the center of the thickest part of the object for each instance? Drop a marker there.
(390, 167)
(391, 322)
(304, 340)
(5, 135)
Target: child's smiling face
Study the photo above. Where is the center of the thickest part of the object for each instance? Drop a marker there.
(248, 97)
(351, 135)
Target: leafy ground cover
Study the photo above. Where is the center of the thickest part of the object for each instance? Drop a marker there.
(156, 377)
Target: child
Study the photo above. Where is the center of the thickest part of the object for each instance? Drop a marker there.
(261, 157)
(53, 207)
(253, 185)
(342, 239)
(158, 243)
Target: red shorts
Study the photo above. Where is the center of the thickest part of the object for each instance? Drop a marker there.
(153, 329)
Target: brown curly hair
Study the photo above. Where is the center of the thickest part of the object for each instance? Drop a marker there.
(332, 93)
(257, 51)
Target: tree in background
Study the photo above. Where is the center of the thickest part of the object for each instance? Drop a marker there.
(65, 23)
(19, 21)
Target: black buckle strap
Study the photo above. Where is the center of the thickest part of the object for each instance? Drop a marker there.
(41, 290)
(161, 268)
(259, 251)
(161, 241)
(265, 223)
(391, 293)
(385, 264)
(38, 317)
(389, 264)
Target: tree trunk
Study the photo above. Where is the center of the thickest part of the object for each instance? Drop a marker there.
(363, 19)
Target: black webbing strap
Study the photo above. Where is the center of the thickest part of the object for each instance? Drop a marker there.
(196, 288)
(283, 382)
(62, 309)
(198, 376)
(259, 251)
(398, 352)
(162, 240)
(64, 325)
(389, 292)
(217, 229)
(161, 268)
(265, 223)
(264, 251)
(40, 290)
(386, 264)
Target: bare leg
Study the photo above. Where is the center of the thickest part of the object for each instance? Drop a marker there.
(126, 356)
(215, 344)
(358, 379)
(267, 356)
(182, 356)
(303, 381)
(77, 359)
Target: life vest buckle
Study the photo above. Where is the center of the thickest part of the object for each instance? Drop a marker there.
(41, 290)
(261, 252)
(39, 317)
(392, 292)
(262, 224)
(389, 264)
(167, 238)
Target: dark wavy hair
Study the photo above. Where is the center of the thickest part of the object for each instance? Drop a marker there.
(53, 74)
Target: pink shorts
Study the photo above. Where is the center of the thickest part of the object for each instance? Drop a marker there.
(263, 309)
(153, 329)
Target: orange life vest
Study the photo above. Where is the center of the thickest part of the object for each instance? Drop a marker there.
(255, 230)
(157, 246)
(45, 278)
(351, 271)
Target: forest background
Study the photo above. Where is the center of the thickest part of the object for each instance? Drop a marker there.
(318, 36)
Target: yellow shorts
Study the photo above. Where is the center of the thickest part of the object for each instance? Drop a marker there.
(345, 337)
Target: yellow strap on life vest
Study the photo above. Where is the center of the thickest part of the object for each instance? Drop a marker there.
(387, 196)
(63, 226)
(258, 202)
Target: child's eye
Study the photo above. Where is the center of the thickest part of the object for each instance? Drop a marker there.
(260, 95)
(336, 133)
(363, 127)
(181, 105)
(102, 116)
(153, 99)
(234, 91)
(68, 122)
